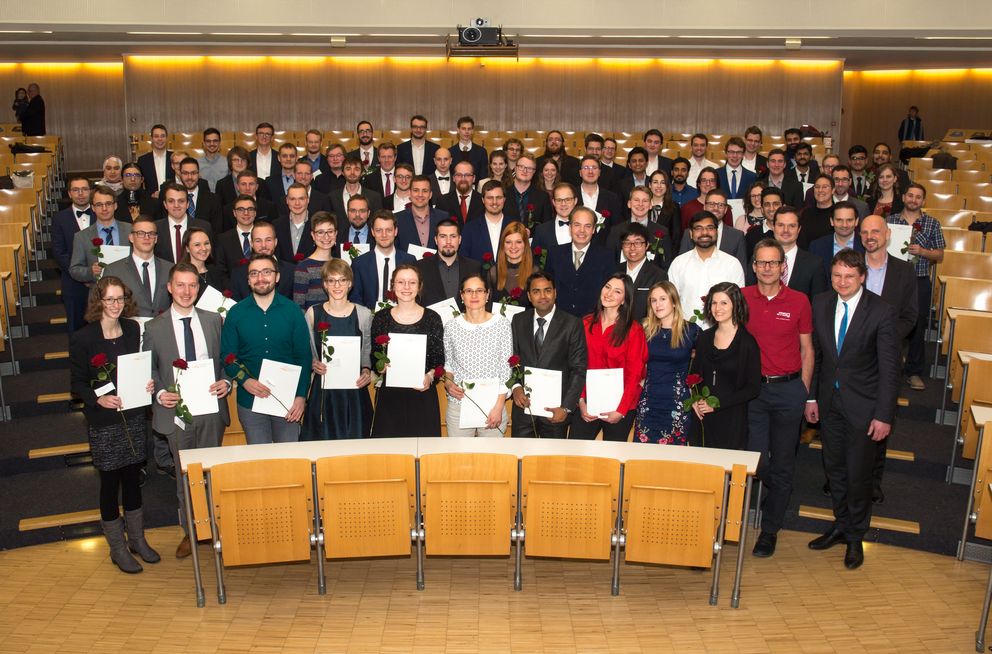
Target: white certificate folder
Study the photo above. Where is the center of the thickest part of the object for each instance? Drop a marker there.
(407, 360)
(345, 366)
(281, 379)
(545, 390)
(604, 390)
(134, 371)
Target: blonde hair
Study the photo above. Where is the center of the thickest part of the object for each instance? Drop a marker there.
(652, 323)
(526, 263)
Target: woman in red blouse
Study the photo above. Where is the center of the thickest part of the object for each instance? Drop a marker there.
(614, 340)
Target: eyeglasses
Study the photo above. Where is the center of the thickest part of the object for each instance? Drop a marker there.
(473, 291)
(704, 228)
(245, 210)
(325, 232)
(336, 281)
(111, 301)
(563, 200)
(145, 234)
(526, 169)
(266, 272)
(403, 177)
(103, 205)
(463, 175)
(634, 244)
(768, 264)
(716, 205)
(132, 175)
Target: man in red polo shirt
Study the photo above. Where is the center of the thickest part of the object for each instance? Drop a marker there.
(781, 320)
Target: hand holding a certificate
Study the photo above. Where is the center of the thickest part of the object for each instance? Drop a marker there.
(115, 402)
(612, 417)
(558, 414)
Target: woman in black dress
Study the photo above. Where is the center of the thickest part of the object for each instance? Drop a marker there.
(117, 438)
(197, 249)
(729, 362)
(408, 411)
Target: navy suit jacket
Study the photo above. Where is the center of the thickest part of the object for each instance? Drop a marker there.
(579, 289)
(408, 229)
(284, 250)
(823, 247)
(746, 178)
(274, 165)
(404, 154)
(365, 290)
(146, 163)
(544, 235)
(477, 156)
(475, 238)
(451, 204)
(64, 228)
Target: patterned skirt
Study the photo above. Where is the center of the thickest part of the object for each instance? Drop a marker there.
(115, 446)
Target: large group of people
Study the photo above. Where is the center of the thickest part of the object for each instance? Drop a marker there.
(673, 301)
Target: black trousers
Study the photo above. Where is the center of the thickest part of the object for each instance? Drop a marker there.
(521, 426)
(583, 430)
(124, 483)
(848, 459)
(916, 356)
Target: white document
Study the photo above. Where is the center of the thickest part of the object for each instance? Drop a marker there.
(407, 360)
(604, 389)
(281, 379)
(447, 309)
(212, 299)
(901, 235)
(736, 207)
(345, 365)
(194, 387)
(545, 390)
(134, 371)
(112, 253)
(484, 393)
(418, 251)
(806, 187)
(508, 310)
(141, 328)
(362, 248)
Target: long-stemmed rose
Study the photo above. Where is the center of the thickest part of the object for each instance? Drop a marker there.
(540, 256)
(104, 368)
(698, 392)
(916, 230)
(350, 248)
(655, 245)
(244, 374)
(518, 377)
(381, 356)
(182, 411)
(441, 374)
(325, 352)
(97, 251)
(513, 298)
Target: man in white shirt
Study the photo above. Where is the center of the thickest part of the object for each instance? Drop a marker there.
(698, 144)
(373, 270)
(366, 151)
(653, 139)
(753, 159)
(155, 165)
(264, 161)
(401, 194)
(841, 175)
(177, 222)
(556, 231)
(418, 152)
(442, 172)
(696, 271)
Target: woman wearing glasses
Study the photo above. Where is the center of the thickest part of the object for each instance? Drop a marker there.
(116, 437)
(308, 284)
(338, 413)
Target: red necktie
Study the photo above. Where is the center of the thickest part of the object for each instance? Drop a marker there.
(389, 187)
(179, 243)
(365, 160)
(464, 208)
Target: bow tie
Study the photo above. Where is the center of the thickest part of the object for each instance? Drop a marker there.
(562, 223)
(84, 212)
(445, 179)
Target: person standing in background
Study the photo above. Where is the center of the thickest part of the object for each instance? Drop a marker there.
(33, 117)
(911, 127)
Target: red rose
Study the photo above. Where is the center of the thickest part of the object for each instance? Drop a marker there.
(323, 326)
(382, 339)
(606, 213)
(514, 361)
(659, 234)
(439, 372)
(702, 298)
(180, 363)
(530, 207)
(346, 246)
(515, 293)
(97, 242)
(917, 227)
(538, 251)
(488, 256)
(98, 360)
(298, 257)
(391, 296)
(227, 293)
(428, 255)
(229, 359)
(243, 262)
(693, 379)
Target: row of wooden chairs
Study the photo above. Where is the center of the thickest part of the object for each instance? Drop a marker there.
(467, 504)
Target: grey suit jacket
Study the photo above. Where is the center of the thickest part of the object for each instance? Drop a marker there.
(160, 339)
(148, 307)
(81, 264)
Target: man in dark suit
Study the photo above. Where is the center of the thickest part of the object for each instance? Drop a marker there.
(441, 178)
(477, 241)
(555, 232)
(173, 227)
(607, 176)
(374, 270)
(467, 150)
(199, 330)
(263, 151)
(659, 247)
(804, 167)
(293, 229)
(604, 202)
(792, 190)
(313, 156)
(234, 245)
(286, 176)
(554, 148)
(462, 193)
(133, 200)
(753, 159)
(854, 390)
(201, 203)
(247, 184)
(382, 178)
(802, 271)
(154, 165)
(544, 337)
(416, 225)
(263, 241)
(316, 201)
(635, 239)
(355, 228)
(65, 225)
(418, 151)
(172, 176)
(441, 275)
(607, 159)
(895, 281)
(525, 202)
(844, 221)
(729, 239)
(33, 117)
(142, 272)
(366, 151)
(734, 178)
(581, 267)
(353, 186)
(654, 159)
(333, 177)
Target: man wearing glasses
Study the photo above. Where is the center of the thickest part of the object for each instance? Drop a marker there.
(266, 325)
(463, 203)
(523, 202)
(235, 244)
(85, 266)
(400, 199)
(263, 159)
(366, 151)
(133, 200)
(728, 239)
(263, 241)
(176, 223)
(857, 159)
(213, 166)
(247, 184)
(603, 201)
(635, 238)
(696, 271)
(142, 272)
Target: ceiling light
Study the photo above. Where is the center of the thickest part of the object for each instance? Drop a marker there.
(710, 36)
(325, 34)
(166, 33)
(404, 35)
(557, 36)
(246, 34)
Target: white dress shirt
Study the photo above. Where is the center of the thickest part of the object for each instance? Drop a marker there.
(161, 165)
(418, 157)
(138, 261)
(199, 340)
(750, 164)
(380, 259)
(562, 233)
(790, 261)
(494, 231)
(264, 164)
(852, 304)
(443, 184)
(547, 318)
(183, 226)
(694, 277)
(696, 167)
(82, 220)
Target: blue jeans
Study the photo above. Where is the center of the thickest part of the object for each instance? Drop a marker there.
(260, 428)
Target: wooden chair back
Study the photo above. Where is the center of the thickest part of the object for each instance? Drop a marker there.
(469, 503)
(263, 510)
(975, 265)
(962, 240)
(672, 511)
(945, 201)
(367, 504)
(971, 334)
(569, 505)
(979, 390)
(983, 496)
(949, 218)
(964, 293)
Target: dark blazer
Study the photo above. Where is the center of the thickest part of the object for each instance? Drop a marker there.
(148, 307)
(147, 205)
(408, 229)
(579, 289)
(327, 182)
(746, 179)
(732, 242)
(867, 369)
(274, 165)
(433, 288)
(146, 163)
(436, 193)
(811, 173)
(238, 281)
(807, 275)
(899, 290)
(201, 186)
(754, 234)
(760, 165)
(404, 154)
(648, 276)
(340, 211)
(163, 246)
(792, 190)
(544, 235)
(663, 261)
(543, 211)
(160, 338)
(477, 156)
(264, 210)
(607, 205)
(227, 190)
(823, 247)
(357, 152)
(229, 250)
(276, 190)
(284, 248)
(317, 202)
(452, 205)
(623, 189)
(83, 345)
(564, 349)
(33, 117)
(365, 290)
(373, 182)
(74, 294)
(475, 238)
(207, 209)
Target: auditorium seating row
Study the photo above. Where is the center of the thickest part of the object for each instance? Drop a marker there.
(411, 497)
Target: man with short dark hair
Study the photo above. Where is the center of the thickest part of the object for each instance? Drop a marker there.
(247, 184)
(639, 208)
(263, 159)
(418, 151)
(881, 154)
(792, 190)
(416, 225)
(142, 272)
(804, 166)
(480, 237)
(366, 152)
(771, 200)
(68, 222)
(212, 165)
(173, 227)
(793, 137)
(635, 239)
(802, 271)
(753, 160)
(263, 241)
(608, 156)
(293, 229)
(556, 231)
(373, 270)
(234, 244)
(84, 265)
(154, 165)
(441, 275)
(524, 202)
(698, 161)
(653, 140)
(696, 271)
(316, 201)
(637, 175)
(382, 179)
(466, 150)
(355, 227)
(200, 202)
(841, 175)
(911, 127)
(857, 160)
(728, 239)
(844, 221)
(33, 117)
(603, 201)
(682, 192)
(279, 183)
(734, 178)
(352, 186)
(594, 147)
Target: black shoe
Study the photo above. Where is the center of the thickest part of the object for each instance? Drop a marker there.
(765, 545)
(854, 556)
(168, 470)
(826, 488)
(827, 540)
(877, 496)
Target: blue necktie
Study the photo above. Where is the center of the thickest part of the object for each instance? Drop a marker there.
(188, 338)
(733, 185)
(190, 206)
(109, 231)
(245, 246)
(842, 332)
